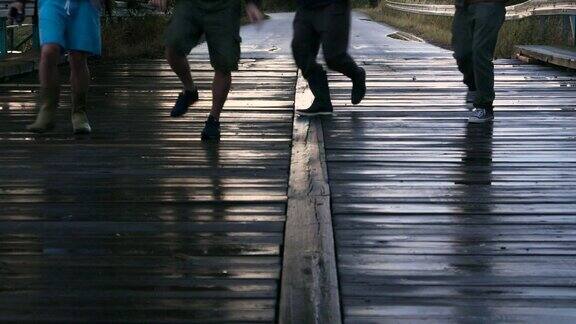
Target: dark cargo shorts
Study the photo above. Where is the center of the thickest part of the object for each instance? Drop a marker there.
(220, 25)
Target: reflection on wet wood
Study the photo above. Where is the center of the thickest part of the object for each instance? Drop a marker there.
(140, 222)
(437, 221)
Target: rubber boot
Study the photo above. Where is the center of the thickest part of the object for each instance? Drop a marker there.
(46, 118)
(80, 123)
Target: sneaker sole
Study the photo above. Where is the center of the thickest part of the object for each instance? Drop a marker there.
(206, 138)
(82, 131)
(41, 130)
(479, 121)
(307, 114)
(180, 114)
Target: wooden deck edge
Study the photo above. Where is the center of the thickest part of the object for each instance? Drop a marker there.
(309, 290)
(16, 68)
(546, 54)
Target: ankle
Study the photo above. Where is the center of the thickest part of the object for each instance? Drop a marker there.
(214, 119)
(359, 75)
(321, 103)
(190, 89)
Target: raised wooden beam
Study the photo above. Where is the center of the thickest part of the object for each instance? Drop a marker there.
(309, 292)
(548, 54)
(14, 65)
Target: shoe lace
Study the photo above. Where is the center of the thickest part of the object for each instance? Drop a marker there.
(480, 113)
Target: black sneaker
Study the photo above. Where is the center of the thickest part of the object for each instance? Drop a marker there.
(481, 115)
(185, 100)
(359, 87)
(316, 109)
(211, 129)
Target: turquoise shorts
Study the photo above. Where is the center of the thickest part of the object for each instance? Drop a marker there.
(72, 24)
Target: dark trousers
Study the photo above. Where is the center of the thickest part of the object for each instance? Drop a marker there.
(329, 27)
(475, 34)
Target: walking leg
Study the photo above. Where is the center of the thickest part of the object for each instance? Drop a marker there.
(80, 82)
(462, 39)
(49, 89)
(488, 20)
(305, 48)
(335, 32)
(220, 90)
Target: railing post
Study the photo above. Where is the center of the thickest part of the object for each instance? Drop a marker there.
(573, 28)
(3, 36)
(11, 39)
(35, 36)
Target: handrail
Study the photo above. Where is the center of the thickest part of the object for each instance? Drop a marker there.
(8, 43)
(18, 26)
(522, 10)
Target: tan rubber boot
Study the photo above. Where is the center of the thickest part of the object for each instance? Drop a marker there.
(45, 120)
(80, 123)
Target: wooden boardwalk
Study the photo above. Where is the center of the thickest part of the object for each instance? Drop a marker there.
(140, 222)
(437, 221)
(433, 220)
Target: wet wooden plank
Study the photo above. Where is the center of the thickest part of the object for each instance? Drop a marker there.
(310, 290)
(439, 221)
(140, 221)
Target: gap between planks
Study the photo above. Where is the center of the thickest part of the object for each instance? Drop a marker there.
(309, 291)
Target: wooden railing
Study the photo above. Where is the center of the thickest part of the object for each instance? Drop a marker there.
(8, 40)
(525, 9)
(519, 11)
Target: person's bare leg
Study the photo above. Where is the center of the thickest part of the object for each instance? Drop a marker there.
(80, 83)
(220, 89)
(180, 66)
(49, 89)
(79, 72)
(49, 59)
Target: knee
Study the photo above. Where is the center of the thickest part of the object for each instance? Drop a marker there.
(172, 54)
(222, 74)
(224, 65)
(482, 58)
(302, 54)
(335, 62)
(462, 56)
(307, 64)
(296, 49)
(311, 68)
(78, 61)
(50, 53)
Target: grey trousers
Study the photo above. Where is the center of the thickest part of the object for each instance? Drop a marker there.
(474, 37)
(329, 27)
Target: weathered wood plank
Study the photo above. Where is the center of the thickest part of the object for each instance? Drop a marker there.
(437, 221)
(548, 54)
(309, 291)
(140, 221)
